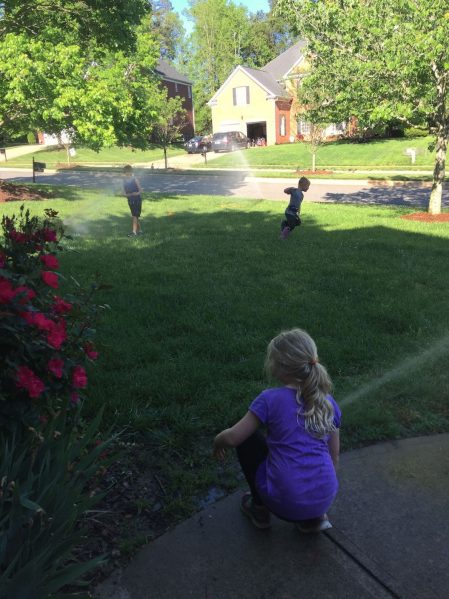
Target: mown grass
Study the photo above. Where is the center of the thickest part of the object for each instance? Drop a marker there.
(114, 156)
(340, 154)
(196, 299)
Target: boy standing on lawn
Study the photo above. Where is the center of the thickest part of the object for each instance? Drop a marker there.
(293, 209)
(133, 191)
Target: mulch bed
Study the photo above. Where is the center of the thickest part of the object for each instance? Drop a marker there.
(10, 192)
(130, 514)
(425, 217)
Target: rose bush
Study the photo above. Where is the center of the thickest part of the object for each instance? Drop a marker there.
(46, 338)
(48, 453)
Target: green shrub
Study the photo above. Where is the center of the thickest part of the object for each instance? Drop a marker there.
(31, 138)
(416, 132)
(47, 454)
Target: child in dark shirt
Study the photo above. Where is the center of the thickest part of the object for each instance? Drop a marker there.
(133, 191)
(293, 209)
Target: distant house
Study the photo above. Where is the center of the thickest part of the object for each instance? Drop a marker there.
(261, 103)
(178, 85)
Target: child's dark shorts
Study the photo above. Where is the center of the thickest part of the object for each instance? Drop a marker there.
(135, 205)
(291, 221)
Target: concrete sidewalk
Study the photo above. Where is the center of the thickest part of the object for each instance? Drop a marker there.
(390, 539)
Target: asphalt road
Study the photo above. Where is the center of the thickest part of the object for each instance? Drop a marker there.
(238, 184)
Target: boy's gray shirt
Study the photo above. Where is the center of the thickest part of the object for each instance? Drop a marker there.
(296, 198)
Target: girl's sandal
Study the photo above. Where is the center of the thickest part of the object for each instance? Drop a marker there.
(258, 514)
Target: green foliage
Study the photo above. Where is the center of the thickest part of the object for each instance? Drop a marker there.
(171, 120)
(168, 29)
(224, 35)
(378, 61)
(65, 73)
(42, 499)
(47, 452)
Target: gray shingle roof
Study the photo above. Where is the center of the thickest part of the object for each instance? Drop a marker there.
(267, 81)
(167, 71)
(281, 65)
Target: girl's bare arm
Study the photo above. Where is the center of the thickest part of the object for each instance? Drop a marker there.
(232, 437)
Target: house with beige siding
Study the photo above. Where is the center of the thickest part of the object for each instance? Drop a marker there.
(262, 103)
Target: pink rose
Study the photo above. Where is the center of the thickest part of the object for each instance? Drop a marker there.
(55, 366)
(74, 398)
(60, 306)
(26, 293)
(6, 291)
(49, 234)
(90, 351)
(26, 379)
(57, 334)
(79, 377)
(50, 278)
(49, 261)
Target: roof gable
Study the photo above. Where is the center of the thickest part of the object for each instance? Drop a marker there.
(167, 71)
(262, 79)
(281, 66)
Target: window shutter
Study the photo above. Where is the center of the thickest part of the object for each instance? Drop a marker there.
(247, 94)
(234, 96)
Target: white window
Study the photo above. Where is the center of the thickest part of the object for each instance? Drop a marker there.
(282, 125)
(240, 95)
(176, 88)
(303, 128)
(189, 91)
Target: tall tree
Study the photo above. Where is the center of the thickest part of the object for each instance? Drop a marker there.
(80, 67)
(168, 28)
(220, 29)
(378, 60)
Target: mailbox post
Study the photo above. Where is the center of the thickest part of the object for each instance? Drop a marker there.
(38, 167)
(3, 151)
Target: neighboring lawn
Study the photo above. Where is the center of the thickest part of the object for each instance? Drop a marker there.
(196, 299)
(374, 154)
(114, 155)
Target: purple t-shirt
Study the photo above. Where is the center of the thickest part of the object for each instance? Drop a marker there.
(297, 481)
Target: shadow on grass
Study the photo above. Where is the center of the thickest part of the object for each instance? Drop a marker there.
(195, 300)
(412, 196)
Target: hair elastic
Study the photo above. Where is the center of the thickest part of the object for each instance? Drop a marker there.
(313, 362)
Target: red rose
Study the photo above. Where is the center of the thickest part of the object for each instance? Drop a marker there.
(26, 293)
(17, 236)
(49, 261)
(50, 278)
(61, 306)
(57, 334)
(38, 320)
(6, 291)
(49, 234)
(74, 398)
(90, 351)
(79, 377)
(55, 366)
(26, 379)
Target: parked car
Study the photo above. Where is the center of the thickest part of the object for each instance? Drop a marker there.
(229, 141)
(198, 144)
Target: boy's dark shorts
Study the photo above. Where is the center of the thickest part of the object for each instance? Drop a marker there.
(291, 221)
(135, 205)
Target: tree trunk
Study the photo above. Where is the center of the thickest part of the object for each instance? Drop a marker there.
(442, 122)
(435, 199)
(165, 157)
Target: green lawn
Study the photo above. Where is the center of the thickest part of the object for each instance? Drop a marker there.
(115, 156)
(374, 154)
(196, 299)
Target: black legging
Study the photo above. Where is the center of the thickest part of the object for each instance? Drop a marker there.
(251, 453)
